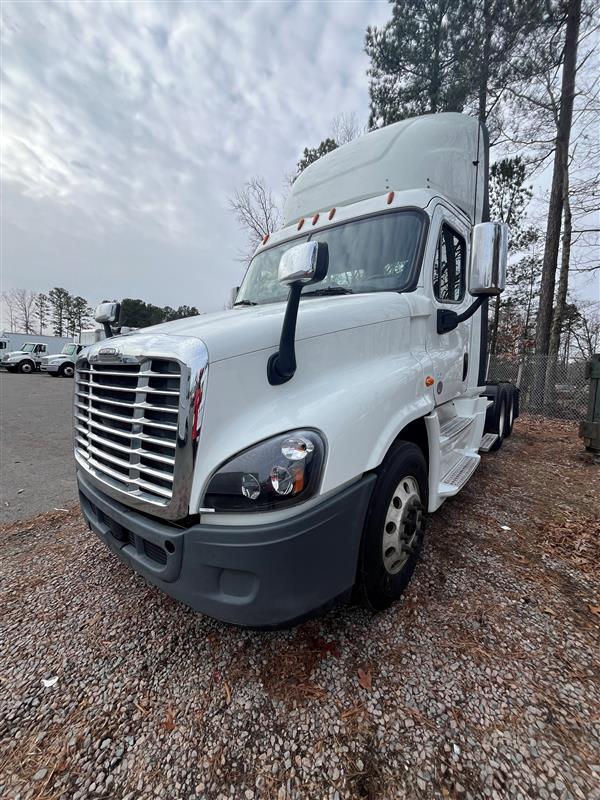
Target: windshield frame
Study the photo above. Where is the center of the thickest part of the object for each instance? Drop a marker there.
(304, 235)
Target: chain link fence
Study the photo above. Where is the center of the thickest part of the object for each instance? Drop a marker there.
(562, 395)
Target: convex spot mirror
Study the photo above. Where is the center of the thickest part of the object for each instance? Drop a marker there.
(107, 312)
(488, 258)
(304, 263)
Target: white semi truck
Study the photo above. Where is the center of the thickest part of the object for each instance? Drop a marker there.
(261, 463)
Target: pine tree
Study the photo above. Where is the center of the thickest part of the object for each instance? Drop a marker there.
(59, 300)
(311, 154)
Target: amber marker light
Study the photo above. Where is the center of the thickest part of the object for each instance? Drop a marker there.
(390, 197)
(315, 219)
(429, 381)
(331, 214)
(265, 238)
(301, 223)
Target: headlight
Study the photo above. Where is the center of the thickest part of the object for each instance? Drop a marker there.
(273, 474)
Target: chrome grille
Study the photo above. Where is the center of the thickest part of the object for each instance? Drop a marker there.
(138, 407)
(126, 421)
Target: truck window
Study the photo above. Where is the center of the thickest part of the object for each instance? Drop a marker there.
(376, 254)
(69, 349)
(449, 267)
(28, 348)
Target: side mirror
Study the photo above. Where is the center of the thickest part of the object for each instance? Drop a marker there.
(489, 253)
(107, 312)
(305, 263)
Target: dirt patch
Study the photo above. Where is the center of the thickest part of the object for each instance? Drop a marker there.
(481, 682)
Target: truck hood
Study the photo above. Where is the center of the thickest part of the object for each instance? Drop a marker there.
(246, 329)
(15, 353)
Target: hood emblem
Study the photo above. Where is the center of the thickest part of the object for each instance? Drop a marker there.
(107, 354)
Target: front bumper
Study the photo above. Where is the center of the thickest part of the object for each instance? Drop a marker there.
(49, 367)
(269, 575)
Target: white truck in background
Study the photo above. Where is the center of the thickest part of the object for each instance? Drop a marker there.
(261, 463)
(62, 365)
(24, 353)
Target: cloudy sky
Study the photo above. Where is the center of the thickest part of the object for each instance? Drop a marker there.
(126, 126)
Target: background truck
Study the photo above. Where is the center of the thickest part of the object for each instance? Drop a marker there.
(25, 353)
(263, 462)
(63, 364)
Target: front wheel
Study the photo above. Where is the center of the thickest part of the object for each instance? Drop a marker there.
(26, 367)
(67, 371)
(393, 534)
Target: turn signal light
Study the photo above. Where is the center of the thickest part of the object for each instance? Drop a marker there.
(429, 381)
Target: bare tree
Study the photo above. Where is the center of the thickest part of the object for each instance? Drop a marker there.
(345, 128)
(23, 304)
(256, 211)
(11, 307)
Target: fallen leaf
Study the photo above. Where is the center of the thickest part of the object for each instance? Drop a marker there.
(594, 609)
(549, 611)
(169, 722)
(365, 679)
(48, 682)
(227, 691)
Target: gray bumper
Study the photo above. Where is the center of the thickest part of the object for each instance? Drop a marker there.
(261, 575)
(49, 367)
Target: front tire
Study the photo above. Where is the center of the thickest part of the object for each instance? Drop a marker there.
(26, 367)
(393, 534)
(67, 371)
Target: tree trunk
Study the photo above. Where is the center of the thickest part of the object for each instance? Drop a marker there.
(561, 155)
(561, 296)
(494, 335)
(485, 61)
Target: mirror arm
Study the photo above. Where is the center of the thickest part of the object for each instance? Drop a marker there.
(107, 330)
(448, 320)
(282, 365)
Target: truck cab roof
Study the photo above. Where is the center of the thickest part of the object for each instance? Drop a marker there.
(443, 154)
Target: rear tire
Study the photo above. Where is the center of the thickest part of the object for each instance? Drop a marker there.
(26, 367)
(510, 409)
(393, 533)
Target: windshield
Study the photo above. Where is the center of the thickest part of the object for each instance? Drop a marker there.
(69, 349)
(376, 254)
(28, 348)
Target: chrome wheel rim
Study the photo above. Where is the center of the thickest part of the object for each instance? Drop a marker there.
(26, 367)
(403, 525)
(69, 372)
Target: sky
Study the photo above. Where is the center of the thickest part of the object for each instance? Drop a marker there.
(126, 127)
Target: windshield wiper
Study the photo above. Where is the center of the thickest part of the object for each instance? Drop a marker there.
(245, 303)
(328, 290)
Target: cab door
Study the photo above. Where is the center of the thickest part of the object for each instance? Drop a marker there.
(449, 259)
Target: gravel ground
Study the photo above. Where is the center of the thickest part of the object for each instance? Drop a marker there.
(481, 682)
(36, 431)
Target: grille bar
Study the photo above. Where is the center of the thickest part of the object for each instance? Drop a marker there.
(110, 401)
(109, 387)
(137, 482)
(117, 432)
(124, 449)
(121, 418)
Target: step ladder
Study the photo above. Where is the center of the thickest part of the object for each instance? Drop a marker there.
(453, 426)
(458, 475)
(487, 442)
